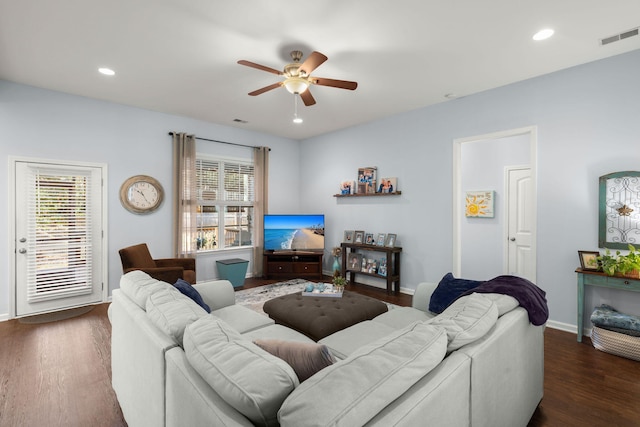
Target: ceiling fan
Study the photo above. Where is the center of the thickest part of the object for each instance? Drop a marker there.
(298, 76)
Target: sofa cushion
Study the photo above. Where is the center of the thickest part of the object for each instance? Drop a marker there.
(345, 342)
(466, 320)
(448, 290)
(305, 358)
(241, 318)
(400, 317)
(186, 289)
(172, 312)
(138, 285)
(354, 390)
(505, 303)
(248, 378)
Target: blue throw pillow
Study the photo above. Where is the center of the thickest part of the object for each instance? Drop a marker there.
(448, 290)
(191, 292)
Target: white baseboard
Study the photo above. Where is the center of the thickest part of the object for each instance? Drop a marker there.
(4, 317)
(567, 327)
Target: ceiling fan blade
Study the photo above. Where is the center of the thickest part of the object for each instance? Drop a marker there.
(342, 84)
(314, 60)
(265, 89)
(260, 67)
(307, 98)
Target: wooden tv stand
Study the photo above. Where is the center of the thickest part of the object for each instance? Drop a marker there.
(293, 265)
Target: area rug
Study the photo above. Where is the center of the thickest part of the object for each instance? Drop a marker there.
(54, 316)
(255, 298)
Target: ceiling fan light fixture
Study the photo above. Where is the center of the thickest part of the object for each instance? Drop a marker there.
(296, 85)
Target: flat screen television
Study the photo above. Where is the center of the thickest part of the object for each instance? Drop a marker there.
(291, 232)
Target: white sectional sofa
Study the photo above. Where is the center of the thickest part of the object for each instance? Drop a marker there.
(479, 363)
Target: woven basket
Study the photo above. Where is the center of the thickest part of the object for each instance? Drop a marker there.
(616, 343)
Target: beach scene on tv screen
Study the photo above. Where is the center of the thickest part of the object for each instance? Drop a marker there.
(293, 232)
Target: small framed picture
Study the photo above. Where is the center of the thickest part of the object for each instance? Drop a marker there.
(348, 236)
(380, 239)
(390, 241)
(588, 260)
(358, 236)
(368, 239)
(354, 262)
(388, 185)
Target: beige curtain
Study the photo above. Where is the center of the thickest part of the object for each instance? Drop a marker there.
(260, 205)
(185, 199)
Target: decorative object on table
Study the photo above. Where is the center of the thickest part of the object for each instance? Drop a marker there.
(588, 260)
(322, 290)
(388, 185)
(619, 264)
(354, 261)
(619, 216)
(347, 187)
(336, 252)
(390, 240)
(479, 204)
(339, 283)
(367, 180)
(372, 266)
(309, 288)
(380, 239)
(368, 239)
(348, 236)
(141, 194)
(358, 236)
(364, 265)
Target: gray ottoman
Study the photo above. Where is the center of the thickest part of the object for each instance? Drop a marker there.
(318, 317)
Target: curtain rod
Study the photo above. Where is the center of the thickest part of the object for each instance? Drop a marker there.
(222, 142)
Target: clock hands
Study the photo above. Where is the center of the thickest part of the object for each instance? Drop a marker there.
(143, 195)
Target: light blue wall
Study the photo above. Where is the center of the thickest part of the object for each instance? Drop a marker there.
(587, 127)
(43, 124)
(587, 119)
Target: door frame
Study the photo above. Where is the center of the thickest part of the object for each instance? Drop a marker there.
(458, 208)
(11, 244)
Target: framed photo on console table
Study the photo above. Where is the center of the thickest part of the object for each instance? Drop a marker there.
(380, 239)
(354, 262)
(588, 260)
(358, 236)
(390, 241)
(348, 236)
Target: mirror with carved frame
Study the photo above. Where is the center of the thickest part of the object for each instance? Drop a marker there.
(619, 214)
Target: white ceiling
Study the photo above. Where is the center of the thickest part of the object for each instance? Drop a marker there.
(179, 56)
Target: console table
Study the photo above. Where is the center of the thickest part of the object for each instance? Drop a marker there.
(393, 264)
(600, 279)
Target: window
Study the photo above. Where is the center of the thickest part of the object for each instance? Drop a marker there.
(225, 203)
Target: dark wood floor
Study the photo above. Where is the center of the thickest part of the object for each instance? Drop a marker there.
(58, 374)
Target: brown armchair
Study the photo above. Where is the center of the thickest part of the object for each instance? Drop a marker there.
(168, 270)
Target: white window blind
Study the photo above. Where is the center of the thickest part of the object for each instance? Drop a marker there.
(207, 172)
(238, 182)
(59, 235)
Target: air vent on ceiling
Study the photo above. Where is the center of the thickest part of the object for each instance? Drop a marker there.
(620, 36)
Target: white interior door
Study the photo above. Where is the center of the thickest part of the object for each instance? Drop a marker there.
(58, 236)
(521, 260)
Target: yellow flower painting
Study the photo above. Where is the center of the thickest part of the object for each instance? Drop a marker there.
(479, 204)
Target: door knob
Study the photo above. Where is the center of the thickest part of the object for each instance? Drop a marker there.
(22, 240)
(23, 251)
(513, 239)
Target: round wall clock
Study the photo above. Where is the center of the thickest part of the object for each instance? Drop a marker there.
(141, 194)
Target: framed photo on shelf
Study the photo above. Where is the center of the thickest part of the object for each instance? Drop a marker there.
(368, 239)
(358, 236)
(354, 262)
(390, 240)
(367, 180)
(380, 239)
(382, 267)
(348, 236)
(387, 185)
(588, 260)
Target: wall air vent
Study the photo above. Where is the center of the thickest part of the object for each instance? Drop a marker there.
(618, 37)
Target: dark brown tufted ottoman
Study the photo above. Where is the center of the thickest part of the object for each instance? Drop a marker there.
(318, 317)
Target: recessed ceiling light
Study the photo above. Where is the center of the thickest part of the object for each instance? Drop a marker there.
(297, 120)
(543, 34)
(107, 71)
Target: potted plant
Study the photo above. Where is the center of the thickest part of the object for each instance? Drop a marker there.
(622, 265)
(339, 283)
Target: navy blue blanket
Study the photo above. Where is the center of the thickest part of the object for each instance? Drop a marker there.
(530, 297)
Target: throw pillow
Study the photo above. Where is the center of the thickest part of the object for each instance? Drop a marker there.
(305, 358)
(248, 378)
(352, 391)
(466, 320)
(188, 290)
(448, 290)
